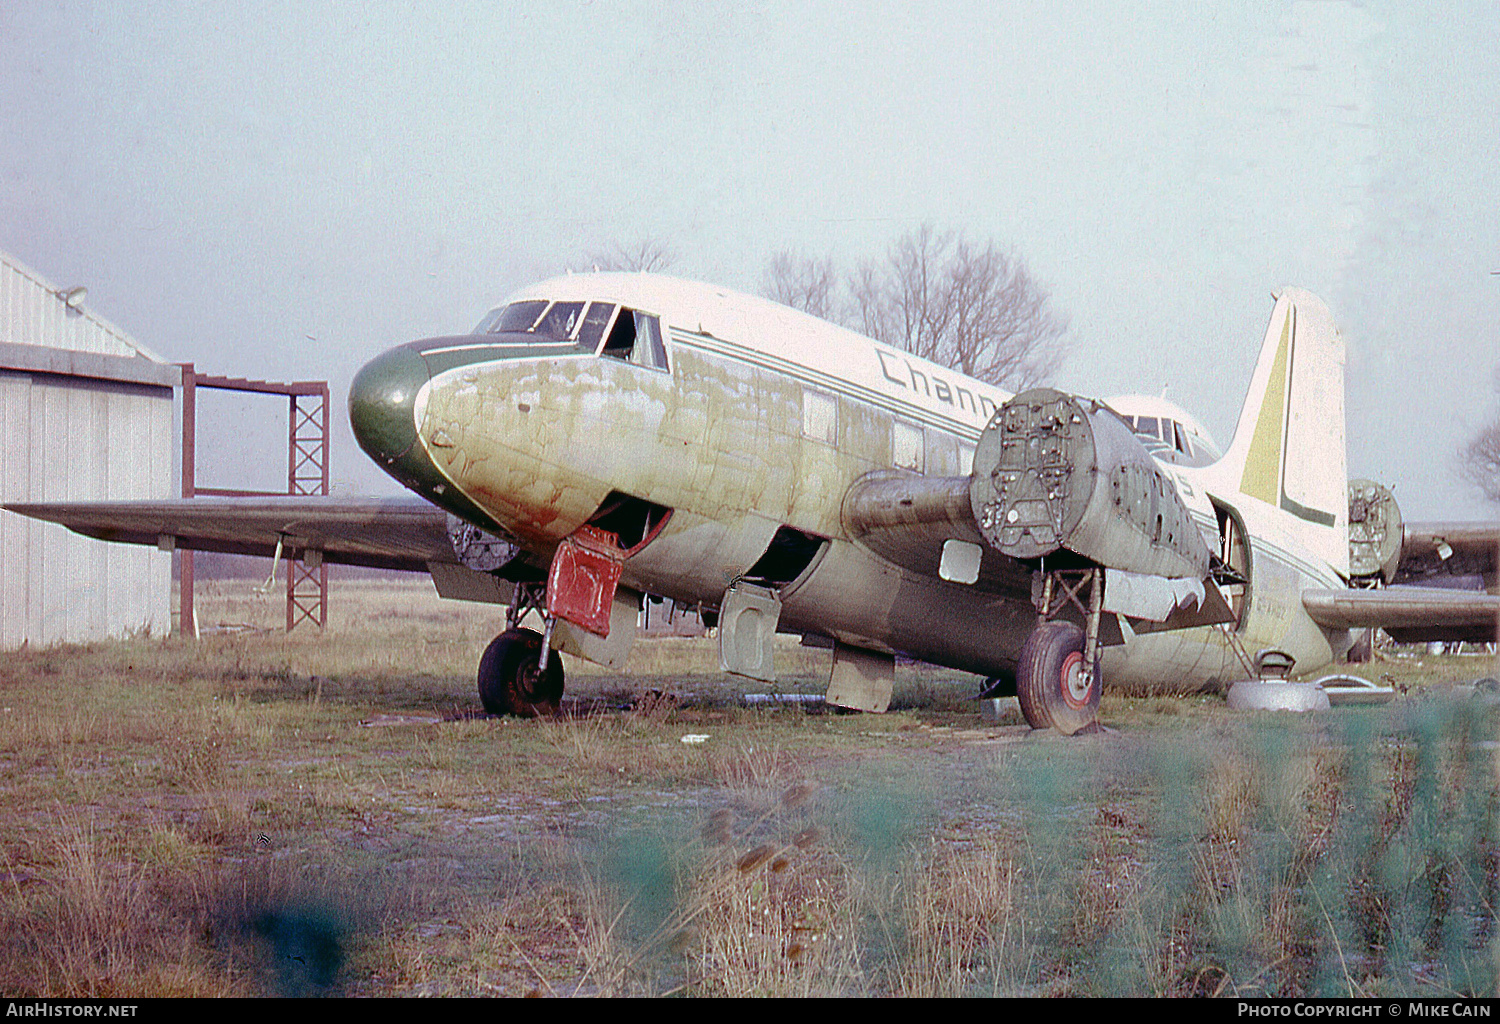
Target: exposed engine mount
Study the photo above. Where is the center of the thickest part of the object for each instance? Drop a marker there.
(478, 550)
(1375, 532)
(1053, 472)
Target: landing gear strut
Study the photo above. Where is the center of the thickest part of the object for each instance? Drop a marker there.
(512, 680)
(1058, 680)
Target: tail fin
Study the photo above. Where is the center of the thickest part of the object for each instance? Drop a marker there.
(1288, 449)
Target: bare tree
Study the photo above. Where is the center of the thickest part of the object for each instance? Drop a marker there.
(1480, 460)
(648, 255)
(974, 308)
(802, 282)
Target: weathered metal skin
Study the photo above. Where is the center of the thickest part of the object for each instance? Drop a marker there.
(906, 518)
(538, 446)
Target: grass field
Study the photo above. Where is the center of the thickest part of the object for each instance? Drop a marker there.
(258, 814)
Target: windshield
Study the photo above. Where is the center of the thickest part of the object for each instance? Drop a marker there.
(518, 316)
(561, 321)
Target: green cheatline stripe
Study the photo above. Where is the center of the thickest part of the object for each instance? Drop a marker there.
(441, 360)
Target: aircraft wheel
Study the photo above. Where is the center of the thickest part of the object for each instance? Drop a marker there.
(1051, 686)
(510, 681)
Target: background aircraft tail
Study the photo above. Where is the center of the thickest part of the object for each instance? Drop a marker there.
(1288, 448)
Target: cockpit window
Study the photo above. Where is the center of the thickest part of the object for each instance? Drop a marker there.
(594, 323)
(518, 316)
(626, 333)
(636, 338)
(561, 320)
(1146, 425)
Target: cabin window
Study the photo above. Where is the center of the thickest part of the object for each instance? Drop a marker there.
(906, 445)
(820, 416)
(636, 338)
(965, 458)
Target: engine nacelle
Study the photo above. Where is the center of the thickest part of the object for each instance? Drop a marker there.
(1053, 472)
(1375, 531)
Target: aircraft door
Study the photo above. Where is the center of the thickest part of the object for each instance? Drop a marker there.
(1231, 565)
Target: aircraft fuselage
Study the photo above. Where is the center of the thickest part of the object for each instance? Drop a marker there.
(743, 417)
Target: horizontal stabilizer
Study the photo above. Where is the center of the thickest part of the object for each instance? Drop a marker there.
(1409, 614)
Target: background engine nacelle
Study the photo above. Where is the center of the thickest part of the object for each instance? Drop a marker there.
(1375, 532)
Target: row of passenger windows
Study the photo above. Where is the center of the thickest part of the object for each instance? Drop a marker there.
(914, 447)
(626, 334)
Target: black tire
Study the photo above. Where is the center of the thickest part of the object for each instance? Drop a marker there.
(1050, 683)
(510, 682)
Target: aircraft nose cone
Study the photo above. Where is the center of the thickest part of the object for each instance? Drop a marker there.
(382, 404)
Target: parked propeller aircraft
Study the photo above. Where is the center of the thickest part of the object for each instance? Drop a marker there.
(603, 437)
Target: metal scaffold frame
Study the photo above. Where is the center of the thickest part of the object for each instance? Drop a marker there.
(306, 474)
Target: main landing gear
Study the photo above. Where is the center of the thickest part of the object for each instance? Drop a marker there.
(1058, 681)
(512, 680)
(513, 677)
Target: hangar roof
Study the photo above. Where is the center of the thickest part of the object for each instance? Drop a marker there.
(33, 311)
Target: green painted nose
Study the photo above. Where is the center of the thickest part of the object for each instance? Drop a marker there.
(382, 403)
(383, 413)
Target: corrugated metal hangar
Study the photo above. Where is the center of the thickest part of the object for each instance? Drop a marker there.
(86, 414)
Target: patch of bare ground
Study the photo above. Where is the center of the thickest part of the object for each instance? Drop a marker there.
(258, 814)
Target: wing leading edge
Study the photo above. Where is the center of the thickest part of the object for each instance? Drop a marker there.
(385, 533)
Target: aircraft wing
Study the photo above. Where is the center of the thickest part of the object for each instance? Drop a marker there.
(907, 518)
(1409, 614)
(911, 520)
(386, 533)
(1430, 550)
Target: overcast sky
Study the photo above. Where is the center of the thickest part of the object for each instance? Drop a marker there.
(284, 190)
